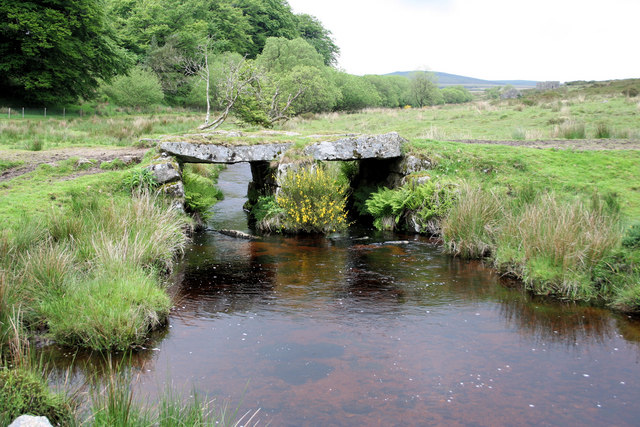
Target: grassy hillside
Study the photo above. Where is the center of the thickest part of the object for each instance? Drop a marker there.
(471, 83)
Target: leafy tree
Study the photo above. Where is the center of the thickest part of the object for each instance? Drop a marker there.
(357, 92)
(424, 89)
(296, 79)
(280, 55)
(394, 91)
(237, 80)
(456, 95)
(54, 51)
(493, 92)
(167, 62)
(267, 18)
(319, 37)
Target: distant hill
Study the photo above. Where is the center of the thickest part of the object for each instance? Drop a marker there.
(446, 79)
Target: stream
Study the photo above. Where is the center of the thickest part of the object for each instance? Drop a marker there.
(379, 329)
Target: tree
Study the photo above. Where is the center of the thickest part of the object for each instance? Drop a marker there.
(267, 18)
(424, 89)
(280, 55)
(356, 92)
(295, 79)
(54, 51)
(319, 37)
(237, 80)
(456, 95)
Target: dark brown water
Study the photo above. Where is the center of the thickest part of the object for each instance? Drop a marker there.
(351, 331)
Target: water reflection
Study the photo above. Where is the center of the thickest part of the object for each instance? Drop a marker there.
(353, 330)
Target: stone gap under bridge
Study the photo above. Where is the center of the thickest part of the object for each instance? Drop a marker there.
(381, 162)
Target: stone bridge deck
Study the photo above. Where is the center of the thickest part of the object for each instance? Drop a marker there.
(385, 146)
(380, 160)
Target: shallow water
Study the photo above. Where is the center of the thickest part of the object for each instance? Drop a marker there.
(354, 330)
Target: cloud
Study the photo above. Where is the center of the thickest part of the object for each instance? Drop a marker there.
(494, 39)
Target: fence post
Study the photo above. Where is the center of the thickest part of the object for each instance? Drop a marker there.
(23, 112)
(64, 111)
(45, 111)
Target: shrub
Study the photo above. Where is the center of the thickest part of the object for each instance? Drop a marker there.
(419, 204)
(313, 201)
(267, 213)
(138, 89)
(200, 193)
(631, 237)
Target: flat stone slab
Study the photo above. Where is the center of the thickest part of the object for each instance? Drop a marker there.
(383, 146)
(347, 148)
(211, 153)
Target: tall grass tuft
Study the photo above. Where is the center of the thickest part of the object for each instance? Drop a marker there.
(602, 131)
(570, 130)
(470, 228)
(554, 245)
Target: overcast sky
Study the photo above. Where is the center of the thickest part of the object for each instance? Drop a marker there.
(489, 39)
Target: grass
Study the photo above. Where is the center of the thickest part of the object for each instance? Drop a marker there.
(39, 133)
(536, 116)
(511, 169)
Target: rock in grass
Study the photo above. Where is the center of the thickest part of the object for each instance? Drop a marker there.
(237, 234)
(30, 421)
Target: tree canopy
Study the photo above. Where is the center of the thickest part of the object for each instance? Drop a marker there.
(54, 52)
(262, 61)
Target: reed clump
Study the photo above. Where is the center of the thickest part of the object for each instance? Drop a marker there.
(557, 246)
(99, 259)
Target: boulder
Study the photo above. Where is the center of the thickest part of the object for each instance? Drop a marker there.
(175, 190)
(30, 421)
(165, 170)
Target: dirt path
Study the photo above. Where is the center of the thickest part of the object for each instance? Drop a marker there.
(32, 159)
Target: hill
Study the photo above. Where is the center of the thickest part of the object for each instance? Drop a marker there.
(471, 83)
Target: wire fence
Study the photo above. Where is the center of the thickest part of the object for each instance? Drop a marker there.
(64, 112)
(22, 113)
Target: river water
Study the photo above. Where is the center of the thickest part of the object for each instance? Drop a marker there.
(371, 329)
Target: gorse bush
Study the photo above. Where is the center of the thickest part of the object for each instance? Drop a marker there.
(313, 201)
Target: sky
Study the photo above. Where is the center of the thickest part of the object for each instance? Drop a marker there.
(539, 40)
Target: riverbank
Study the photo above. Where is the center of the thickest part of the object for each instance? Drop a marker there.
(85, 247)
